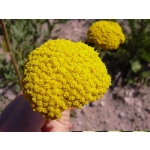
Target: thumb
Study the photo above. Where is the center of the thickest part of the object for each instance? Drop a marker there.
(58, 125)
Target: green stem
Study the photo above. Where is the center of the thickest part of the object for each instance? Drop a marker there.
(10, 50)
(101, 52)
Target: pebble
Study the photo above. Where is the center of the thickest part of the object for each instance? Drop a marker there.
(82, 111)
(121, 115)
(79, 123)
(92, 117)
(102, 103)
(147, 109)
(132, 119)
(139, 114)
(118, 95)
(138, 104)
(144, 97)
(129, 92)
(129, 100)
(10, 95)
(104, 121)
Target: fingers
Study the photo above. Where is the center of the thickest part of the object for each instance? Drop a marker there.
(18, 116)
(59, 125)
(70, 126)
(20, 93)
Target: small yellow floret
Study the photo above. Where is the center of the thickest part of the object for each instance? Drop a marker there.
(61, 74)
(106, 34)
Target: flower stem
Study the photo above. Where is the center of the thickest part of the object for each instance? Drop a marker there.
(101, 52)
(10, 50)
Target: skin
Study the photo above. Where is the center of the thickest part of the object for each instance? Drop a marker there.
(19, 117)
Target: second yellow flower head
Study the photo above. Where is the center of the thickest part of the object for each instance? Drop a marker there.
(106, 34)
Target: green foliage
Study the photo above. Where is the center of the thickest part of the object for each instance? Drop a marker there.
(133, 57)
(135, 65)
(24, 36)
(73, 114)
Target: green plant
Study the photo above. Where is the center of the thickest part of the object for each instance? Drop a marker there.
(24, 36)
(73, 114)
(131, 59)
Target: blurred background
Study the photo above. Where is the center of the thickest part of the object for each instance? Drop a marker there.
(126, 105)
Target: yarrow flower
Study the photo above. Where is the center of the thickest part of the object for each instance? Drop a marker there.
(106, 34)
(62, 74)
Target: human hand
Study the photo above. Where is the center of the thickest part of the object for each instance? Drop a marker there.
(19, 117)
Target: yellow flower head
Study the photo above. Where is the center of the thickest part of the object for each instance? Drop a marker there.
(62, 74)
(106, 34)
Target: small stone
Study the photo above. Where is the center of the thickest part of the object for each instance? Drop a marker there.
(82, 111)
(138, 104)
(10, 95)
(143, 116)
(144, 97)
(132, 119)
(138, 113)
(121, 115)
(129, 100)
(129, 92)
(147, 109)
(101, 103)
(106, 121)
(118, 95)
(92, 117)
(79, 123)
